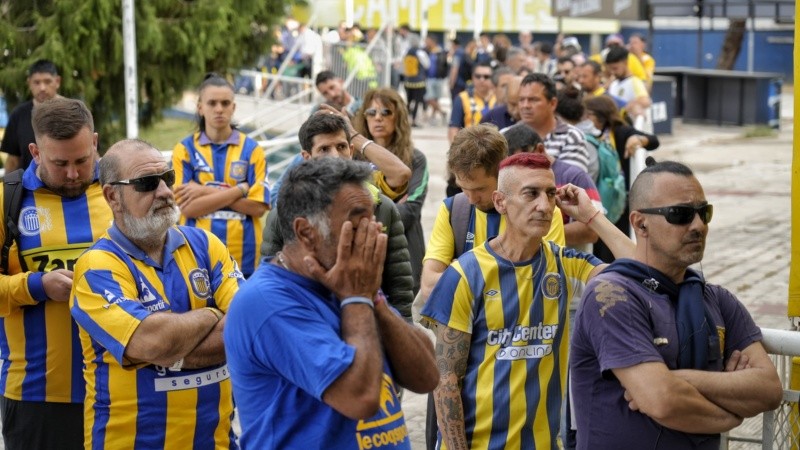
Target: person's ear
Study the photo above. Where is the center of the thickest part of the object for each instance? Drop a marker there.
(306, 155)
(499, 200)
(539, 148)
(113, 197)
(306, 234)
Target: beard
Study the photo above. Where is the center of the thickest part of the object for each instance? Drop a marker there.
(67, 189)
(150, 229)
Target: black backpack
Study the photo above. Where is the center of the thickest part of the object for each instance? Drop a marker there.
(12, 204)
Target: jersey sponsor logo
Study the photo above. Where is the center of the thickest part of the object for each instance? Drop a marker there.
(608, 294)
(148, 300)
(193, 381)
(387, 427)
(551, 286)
(200, 163)
(201, 284)
(225, 215)
(504, 337)
(34, 220)
(524, 352)
(470, 237)
(236, 272)
(238, 170)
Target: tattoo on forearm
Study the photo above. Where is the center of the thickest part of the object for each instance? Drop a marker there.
(452, 351)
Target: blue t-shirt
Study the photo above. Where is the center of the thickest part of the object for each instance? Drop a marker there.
(615, 328)
(284, 349)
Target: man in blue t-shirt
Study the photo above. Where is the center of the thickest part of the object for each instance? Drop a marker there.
(316, 354)
(659, 358)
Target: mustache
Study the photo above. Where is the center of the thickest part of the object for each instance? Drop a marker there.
(694, 236)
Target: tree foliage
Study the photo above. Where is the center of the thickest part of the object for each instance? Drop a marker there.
(177, 42)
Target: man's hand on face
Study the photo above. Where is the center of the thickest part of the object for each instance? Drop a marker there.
(359, 261)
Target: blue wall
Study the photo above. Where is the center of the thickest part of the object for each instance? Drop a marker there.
(679, 48)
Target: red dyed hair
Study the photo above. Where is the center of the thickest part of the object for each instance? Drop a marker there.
(529, 160)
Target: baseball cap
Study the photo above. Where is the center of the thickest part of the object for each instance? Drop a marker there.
(571, 41)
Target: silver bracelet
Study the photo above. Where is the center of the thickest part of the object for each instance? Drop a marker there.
(362, 300)
(365, 144)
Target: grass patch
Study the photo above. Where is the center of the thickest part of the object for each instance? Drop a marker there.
(760, 131)
(168, 132)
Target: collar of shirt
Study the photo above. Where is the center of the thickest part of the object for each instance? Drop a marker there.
(233, 139)
(174, 240)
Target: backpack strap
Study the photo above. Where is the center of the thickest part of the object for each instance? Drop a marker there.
(459, 222)
(12, 204)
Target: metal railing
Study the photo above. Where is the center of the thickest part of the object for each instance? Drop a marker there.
(780, 429)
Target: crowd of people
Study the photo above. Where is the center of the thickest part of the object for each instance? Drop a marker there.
(143, 298)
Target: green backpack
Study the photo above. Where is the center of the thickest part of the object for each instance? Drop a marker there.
(610, 179)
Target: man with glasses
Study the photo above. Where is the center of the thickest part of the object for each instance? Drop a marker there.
(62, 213)
(471, 105)
(150, 299)
(659, 358)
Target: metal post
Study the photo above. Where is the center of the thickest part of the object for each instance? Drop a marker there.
(478, 26)
(700, 40)
(129, 55)
(751, 41)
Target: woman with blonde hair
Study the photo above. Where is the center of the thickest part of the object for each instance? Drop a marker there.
(383, 118)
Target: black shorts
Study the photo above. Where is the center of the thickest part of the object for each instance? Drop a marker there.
(41, 425)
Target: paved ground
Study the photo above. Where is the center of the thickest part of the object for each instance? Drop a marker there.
(749, 182)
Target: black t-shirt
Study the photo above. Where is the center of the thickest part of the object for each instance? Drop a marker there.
(19, 133)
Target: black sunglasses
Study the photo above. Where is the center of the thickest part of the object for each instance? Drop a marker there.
(682, 214)
(149, 183)
(384, 112)
(479, 76)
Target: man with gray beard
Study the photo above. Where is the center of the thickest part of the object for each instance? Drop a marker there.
(150, 300)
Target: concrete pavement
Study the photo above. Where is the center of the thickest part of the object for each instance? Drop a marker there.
(748, 180)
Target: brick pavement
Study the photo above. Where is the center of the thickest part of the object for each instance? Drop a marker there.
(749, 182)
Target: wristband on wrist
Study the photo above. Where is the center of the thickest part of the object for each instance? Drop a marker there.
(365, 144)
(593, 216)
(353, 300)
(242, 188)
(353, 136)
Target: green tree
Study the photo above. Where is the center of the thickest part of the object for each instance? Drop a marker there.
(177, 42)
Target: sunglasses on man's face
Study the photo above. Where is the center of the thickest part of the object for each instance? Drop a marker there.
(384, 112)
(682, 214)
(148, 183)
(479, 76)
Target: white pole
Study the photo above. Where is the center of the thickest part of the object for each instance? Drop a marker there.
(349, 12)
(478, 19)
(129, 53)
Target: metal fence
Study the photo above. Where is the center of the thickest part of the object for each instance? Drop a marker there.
(780, 429)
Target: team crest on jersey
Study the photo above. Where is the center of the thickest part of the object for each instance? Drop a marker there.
(33, 221)
(201, 284)
(238, 170)
(551, 286)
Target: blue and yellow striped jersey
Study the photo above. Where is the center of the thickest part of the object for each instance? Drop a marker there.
(116, 286)
(41, 358)
(518, 317)
(482, 226)
(238, 160)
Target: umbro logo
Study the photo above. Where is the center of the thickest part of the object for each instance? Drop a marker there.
(491, 294)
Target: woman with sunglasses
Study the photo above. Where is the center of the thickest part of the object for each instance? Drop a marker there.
(383, 118)
(221, 176)
(625, 139)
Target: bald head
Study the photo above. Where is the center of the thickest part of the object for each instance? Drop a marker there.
(641, 192)
(120, 155)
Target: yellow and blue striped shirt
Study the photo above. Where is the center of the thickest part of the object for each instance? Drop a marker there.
(41, 358)
(482, 226)
(116, 286)
(517, 363)
(239, 159)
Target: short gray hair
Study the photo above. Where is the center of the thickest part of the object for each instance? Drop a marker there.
(111, 163)
(309, 189)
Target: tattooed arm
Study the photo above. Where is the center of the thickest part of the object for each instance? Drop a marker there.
(452, 349)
